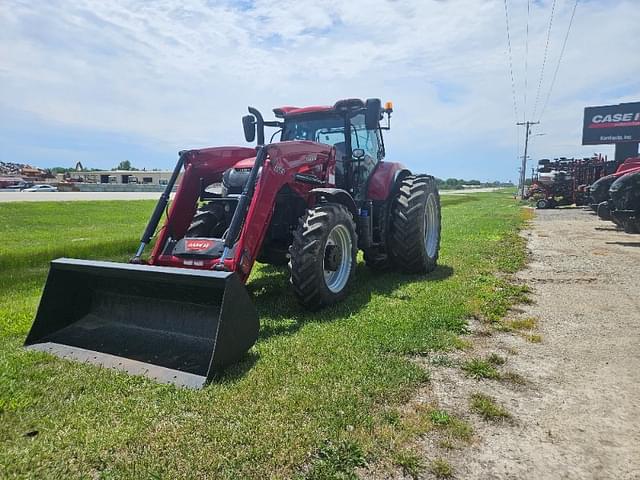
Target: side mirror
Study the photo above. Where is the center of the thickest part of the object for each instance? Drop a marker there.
(372, 113)
(358, 153)
(249, 126)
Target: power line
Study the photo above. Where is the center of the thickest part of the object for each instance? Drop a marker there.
(513, 83)
(523, 167)
(555, 73)
(526, 60)
(544, 59)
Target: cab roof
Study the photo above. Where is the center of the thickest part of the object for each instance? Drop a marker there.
(339, 107)
(287, 111)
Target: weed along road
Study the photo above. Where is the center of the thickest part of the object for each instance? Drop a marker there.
(562, 372)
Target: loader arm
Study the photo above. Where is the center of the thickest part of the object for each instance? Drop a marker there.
(299, 165)
(201, 167)
(285, 161)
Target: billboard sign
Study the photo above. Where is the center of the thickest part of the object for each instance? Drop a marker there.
(611, 124)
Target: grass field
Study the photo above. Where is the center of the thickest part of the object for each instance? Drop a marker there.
(320, 393)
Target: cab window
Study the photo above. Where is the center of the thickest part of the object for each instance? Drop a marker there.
(368, 140)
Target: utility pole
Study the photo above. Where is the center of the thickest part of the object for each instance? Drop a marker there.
(523, 168)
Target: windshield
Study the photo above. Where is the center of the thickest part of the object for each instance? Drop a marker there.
(329, 129)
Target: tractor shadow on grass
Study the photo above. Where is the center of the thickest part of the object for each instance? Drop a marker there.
(281, 314)
(235, 372)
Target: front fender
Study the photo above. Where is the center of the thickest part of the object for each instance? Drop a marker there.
(336, 195)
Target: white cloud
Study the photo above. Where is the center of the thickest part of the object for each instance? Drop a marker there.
(181, 73)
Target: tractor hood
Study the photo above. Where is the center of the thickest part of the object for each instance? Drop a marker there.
(245, 163)
(602, 184)
(630, 181)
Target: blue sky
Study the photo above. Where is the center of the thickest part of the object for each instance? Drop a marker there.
(101, 82)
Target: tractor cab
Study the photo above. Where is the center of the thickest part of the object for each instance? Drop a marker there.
(352, 127)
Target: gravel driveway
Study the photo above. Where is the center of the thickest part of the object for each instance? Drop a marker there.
(578, 415)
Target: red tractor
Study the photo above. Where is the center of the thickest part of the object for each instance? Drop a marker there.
(311, 200)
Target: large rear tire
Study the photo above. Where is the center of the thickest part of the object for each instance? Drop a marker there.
(416, 225)
(323, 255)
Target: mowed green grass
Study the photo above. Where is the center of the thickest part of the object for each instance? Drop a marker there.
(309, 400)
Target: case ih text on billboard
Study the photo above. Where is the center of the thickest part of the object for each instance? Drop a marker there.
(611, 124)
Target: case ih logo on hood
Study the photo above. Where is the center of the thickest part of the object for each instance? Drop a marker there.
(199, 245)
(629, 119)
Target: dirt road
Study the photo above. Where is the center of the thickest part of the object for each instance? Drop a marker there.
(576, 405)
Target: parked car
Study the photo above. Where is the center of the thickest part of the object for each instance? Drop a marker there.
(41, 188)
(20, 186)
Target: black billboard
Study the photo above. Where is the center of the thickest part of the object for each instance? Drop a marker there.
(611, 124)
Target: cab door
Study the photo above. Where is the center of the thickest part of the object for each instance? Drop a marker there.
(369, 141)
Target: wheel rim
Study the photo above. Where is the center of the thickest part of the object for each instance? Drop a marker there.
(431, 226)
(339, 247)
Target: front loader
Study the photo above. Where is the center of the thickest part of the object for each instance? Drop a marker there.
(309, 201)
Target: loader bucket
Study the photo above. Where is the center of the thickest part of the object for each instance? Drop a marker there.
(179, 326)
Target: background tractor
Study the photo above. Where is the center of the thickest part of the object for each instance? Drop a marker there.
(310, 201)
(622, 206)
(566, 181)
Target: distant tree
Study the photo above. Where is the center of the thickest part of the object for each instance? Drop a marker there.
(124, 165)
(456, 183)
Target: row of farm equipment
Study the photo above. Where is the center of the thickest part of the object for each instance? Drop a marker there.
(565, 181)
(610, 188)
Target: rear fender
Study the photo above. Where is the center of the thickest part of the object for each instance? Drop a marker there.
(384, 180)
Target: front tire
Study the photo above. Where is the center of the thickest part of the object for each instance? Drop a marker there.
(323, 255)
(416, 224)
(209, 221)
